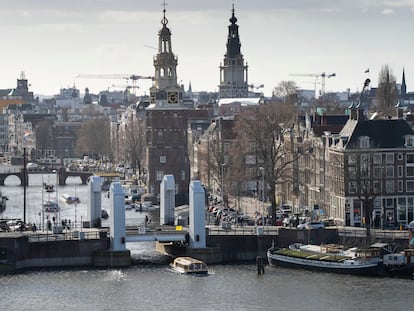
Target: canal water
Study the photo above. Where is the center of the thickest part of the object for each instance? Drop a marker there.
(155, 287)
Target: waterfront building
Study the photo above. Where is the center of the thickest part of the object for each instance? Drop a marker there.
(166, 123)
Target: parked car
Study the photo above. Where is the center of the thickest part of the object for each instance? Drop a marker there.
(311, 225)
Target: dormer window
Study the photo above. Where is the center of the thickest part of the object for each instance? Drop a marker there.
(364, 142)
(409, 141)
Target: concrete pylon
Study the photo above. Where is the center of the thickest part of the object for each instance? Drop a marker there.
(117, 219)
(167, 200)
(197, 215)
(95, 201)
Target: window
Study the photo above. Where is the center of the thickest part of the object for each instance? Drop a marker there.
(389, 158)
(410, 185)
(400, 171)
(409, 171)
(400, 156)
(352, 187)
(389, 186)
(400, 186)
(182, 175)
(377, 187)
(377, 172)
(160, 175)
(409, 141)
(352, 159)
(377, 158)
(250, 159)
(410, 158)
(390, 171)
(364, 142)
(163, 159)
(352, 172)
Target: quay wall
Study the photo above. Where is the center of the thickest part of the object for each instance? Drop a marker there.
(19, 253)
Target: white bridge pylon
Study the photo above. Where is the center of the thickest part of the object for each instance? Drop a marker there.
(117, 221)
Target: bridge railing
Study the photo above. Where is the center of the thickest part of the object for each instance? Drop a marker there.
(226, 229)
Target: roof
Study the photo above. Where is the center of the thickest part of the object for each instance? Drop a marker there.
(383, 133)
(247, 101)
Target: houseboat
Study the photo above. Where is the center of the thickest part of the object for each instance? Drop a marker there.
(368, 262)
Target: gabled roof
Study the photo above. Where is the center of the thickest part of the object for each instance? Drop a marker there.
(382, 133)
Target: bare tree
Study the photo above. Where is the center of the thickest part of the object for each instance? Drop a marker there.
(264, 127)
(132, 143)
(363, 186)
(387, 93)
(43, 133)
(286, 91)
(94, 137)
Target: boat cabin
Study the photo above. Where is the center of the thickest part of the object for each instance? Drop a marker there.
(189, 265)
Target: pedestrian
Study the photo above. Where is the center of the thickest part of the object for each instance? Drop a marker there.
(146, 219)
(34, 228)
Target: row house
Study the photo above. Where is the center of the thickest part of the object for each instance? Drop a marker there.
(373, 159)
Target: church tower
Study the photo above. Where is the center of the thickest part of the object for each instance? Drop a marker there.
(403, 85)
(233, 72)
(166, 123)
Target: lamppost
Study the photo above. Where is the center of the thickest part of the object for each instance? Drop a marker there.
(57, 209)
(261, 169)
(222, 184)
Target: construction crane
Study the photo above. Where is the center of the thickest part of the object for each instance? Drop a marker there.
(134, 78)
(321, 75)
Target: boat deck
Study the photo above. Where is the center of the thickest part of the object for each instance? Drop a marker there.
(310, 255)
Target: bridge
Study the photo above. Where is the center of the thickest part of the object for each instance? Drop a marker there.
(63, 174)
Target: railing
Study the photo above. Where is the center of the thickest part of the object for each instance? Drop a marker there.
(375, 233)
(226, 229)
(48, 236)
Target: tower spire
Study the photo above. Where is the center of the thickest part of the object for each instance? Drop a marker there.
(403, 85)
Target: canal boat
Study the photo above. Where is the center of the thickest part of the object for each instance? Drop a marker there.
(70, 199)
(368, 262)
(189, 265)
(48, 187)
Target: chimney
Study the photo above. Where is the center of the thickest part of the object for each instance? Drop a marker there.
(360, 114)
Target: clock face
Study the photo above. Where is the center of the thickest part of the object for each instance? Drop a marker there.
(172, 97)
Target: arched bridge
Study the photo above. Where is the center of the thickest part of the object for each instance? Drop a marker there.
(63, 174)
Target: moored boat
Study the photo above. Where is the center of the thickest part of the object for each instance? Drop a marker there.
(189, 265)
(366, 263)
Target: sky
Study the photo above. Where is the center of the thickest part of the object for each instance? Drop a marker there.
(53, 41)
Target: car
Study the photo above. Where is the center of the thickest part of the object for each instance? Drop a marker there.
(311, 225)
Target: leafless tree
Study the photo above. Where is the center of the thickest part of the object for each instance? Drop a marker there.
(132, 143)
(286, 91)
(43, 134)
(387, 93)
(94, 137)
(264, 128)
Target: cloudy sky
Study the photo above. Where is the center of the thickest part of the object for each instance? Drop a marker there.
(53, 41)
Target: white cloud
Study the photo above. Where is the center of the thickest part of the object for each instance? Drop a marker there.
(387, 11)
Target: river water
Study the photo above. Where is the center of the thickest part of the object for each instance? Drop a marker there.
(155, 287)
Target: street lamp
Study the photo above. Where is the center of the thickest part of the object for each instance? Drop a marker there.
(261, 169)
(222, 184)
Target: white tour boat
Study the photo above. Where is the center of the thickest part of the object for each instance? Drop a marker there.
(189, 265)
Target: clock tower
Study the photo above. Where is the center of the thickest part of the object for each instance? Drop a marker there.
(166, 123)
(233, 71)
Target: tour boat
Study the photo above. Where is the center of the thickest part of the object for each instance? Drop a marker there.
(48, 187)
(70, 199)
(368, 262)
(189, 265)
